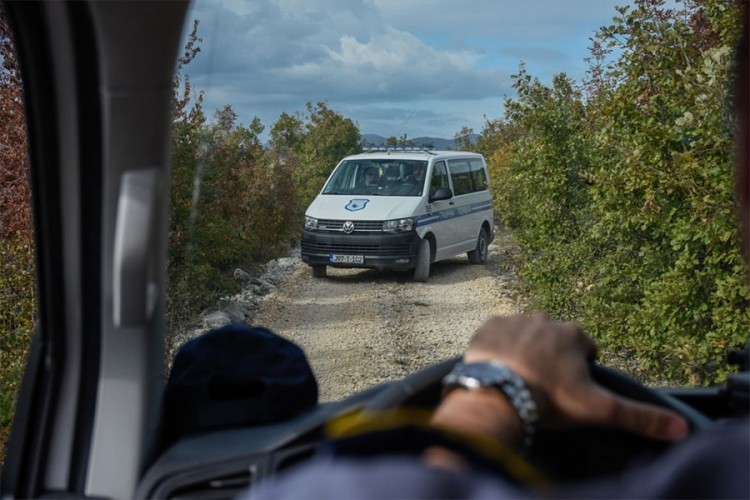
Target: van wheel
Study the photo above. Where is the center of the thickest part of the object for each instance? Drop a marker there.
(479, 254)
(422, 271)
(319, 271)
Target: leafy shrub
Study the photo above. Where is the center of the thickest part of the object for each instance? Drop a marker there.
(17, 273)
(621, 192)
(17, 320)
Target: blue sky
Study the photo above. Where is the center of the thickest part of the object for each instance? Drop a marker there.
(395, 67)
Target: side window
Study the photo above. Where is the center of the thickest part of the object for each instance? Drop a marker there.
(461, 177)
(439, 177)
(18, 298)
(478, 175)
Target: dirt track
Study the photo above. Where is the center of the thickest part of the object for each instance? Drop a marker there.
(361, 327)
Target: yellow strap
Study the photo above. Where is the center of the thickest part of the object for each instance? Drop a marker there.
(361, 422)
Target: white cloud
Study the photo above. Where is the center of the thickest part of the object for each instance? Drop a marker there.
(531, 20)
(431, 63)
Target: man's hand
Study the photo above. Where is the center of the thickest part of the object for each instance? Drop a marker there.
(553, 358)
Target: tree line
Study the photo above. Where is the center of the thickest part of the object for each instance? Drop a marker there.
(235, 202)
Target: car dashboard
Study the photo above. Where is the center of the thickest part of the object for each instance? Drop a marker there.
(225, 462)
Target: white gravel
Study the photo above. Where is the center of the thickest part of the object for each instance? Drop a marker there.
(362, 327)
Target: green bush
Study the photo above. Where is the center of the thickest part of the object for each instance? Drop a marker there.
(226, 211)
(620, 193)
(17, 320)
(327, 138)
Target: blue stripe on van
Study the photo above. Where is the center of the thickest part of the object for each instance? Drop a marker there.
(480, 207)
(451, 213)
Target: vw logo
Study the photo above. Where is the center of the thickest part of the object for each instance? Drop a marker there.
(348, 227)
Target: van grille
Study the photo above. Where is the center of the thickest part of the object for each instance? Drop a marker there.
(313, 247)
(360, 226)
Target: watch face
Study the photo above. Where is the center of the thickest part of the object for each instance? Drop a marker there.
(489, 374)
(478, 375)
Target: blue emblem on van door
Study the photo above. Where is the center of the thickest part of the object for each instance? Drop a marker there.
(356, 204)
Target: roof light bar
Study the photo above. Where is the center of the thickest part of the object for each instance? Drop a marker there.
(373, 149)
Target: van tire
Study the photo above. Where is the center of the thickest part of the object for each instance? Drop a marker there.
(319, 271)
(479, 254)
(422, 271)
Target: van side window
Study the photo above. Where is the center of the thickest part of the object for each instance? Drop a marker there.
(439, 177)
(461, 177)
(478, 175)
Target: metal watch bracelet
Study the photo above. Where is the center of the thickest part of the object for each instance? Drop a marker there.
(501, 377)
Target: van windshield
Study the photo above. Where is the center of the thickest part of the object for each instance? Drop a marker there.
(387, 177)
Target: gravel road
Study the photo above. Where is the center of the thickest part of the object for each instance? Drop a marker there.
(362, 327)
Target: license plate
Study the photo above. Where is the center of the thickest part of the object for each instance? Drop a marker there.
(347, 259)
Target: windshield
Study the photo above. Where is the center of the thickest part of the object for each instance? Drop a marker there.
(370, 180)
(608, 134)
(609, 173)
(378, 177)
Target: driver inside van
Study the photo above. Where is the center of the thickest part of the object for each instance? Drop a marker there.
(413, 183)
(419, 173)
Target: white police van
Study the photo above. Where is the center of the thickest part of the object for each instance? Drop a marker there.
(400, 209)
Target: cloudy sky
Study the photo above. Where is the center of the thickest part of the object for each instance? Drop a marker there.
(395, 67)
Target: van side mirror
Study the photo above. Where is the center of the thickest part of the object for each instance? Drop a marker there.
(442, 194)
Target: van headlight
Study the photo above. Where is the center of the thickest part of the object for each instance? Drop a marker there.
(398, 225)
(311, 223)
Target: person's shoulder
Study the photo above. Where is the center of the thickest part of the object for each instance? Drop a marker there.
(388, 476)
(711, 464)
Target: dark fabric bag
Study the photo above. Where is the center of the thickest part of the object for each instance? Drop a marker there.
(236, 375)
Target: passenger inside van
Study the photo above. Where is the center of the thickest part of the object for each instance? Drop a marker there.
(393, 175)
(371, 177)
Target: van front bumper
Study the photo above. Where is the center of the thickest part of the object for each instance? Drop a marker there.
(377, 251)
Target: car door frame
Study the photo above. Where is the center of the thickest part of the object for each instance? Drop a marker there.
(91, 72)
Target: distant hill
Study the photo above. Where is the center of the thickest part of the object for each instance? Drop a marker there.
(436, 142)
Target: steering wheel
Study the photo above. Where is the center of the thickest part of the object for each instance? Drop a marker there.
(573, 453)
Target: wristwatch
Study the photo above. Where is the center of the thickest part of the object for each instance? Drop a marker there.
(498, 376)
